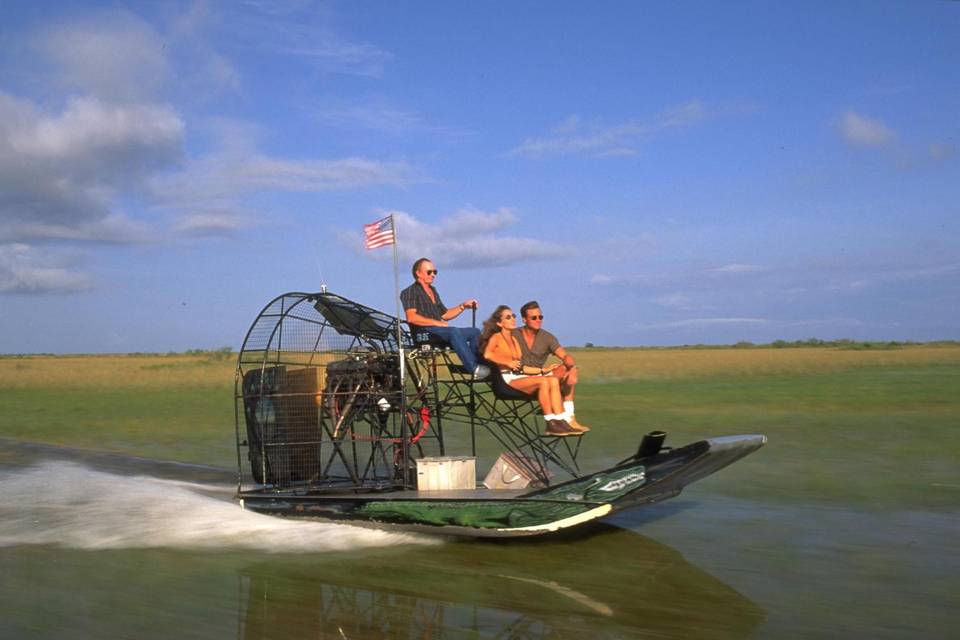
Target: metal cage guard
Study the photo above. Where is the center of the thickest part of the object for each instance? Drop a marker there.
(319, 404)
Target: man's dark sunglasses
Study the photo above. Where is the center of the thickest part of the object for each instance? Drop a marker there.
(534, 317)
(432, 272)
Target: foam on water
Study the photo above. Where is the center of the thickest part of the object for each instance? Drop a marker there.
(69, 505)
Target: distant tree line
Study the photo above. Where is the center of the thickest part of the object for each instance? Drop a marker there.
(843, 343)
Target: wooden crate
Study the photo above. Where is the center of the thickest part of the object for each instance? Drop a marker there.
(446, 473)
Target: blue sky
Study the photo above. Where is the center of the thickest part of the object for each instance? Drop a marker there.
(652, 173)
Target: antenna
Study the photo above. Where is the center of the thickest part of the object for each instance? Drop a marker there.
(323, 281)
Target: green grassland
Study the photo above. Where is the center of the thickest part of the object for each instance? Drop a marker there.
(871, 428)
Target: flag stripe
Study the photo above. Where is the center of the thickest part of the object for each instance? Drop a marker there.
(379, 233)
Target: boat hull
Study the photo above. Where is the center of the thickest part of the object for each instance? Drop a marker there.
(506, 514)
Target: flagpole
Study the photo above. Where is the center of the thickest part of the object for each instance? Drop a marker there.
(403, 371)
(396, 297)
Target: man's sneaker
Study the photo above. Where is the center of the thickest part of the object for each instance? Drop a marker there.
(576, 426)
(481, 372)
(559, 428)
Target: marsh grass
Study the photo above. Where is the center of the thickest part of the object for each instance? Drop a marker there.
(116, 372)
(605, 365)
(871, 428)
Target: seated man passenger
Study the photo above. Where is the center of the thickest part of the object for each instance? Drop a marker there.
(502, 348)
(536, 344)
(424, 309)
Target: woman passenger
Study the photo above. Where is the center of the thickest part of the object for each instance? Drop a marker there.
(502, 349)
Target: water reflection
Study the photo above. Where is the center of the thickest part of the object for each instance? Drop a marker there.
(613, 583)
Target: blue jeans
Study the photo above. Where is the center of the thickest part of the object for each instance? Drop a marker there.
(464, 341)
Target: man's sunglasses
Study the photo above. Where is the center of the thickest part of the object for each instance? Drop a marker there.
(534, 317)
(432, 272)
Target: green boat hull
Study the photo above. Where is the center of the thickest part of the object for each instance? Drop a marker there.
(484, 513)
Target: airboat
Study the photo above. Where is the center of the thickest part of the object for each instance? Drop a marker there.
(345, 413)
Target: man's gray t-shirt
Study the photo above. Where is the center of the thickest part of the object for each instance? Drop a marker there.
(544, 344)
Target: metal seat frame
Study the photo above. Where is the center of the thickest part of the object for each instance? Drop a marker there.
(511, 417)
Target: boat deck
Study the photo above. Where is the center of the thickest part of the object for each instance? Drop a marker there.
(480, 493)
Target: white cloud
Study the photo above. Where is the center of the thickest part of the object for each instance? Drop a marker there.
(216, 180)
(574, 136)
(101, 159)
(469, 238)
(111, 54)
(736, 268)
(60, 172)
(298, 30)
(24, 269)
(207, 192)
(863, 131)
(211, 223)
(335, 55)
(91, 136)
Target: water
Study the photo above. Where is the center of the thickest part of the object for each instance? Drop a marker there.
(100, 546)
(75, 507)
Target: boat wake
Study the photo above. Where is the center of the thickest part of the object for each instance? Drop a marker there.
(69, 505)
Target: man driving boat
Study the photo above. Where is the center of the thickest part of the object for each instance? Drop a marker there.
(424, 309)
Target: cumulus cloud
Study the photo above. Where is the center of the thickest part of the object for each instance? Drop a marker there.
(574, 136)
(101, 157)
(60, 172)
(66, 163)
(24, 269)
(68, 170)
(468, 238)
(863, 131)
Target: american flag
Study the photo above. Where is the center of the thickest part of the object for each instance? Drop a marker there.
(379, 233)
